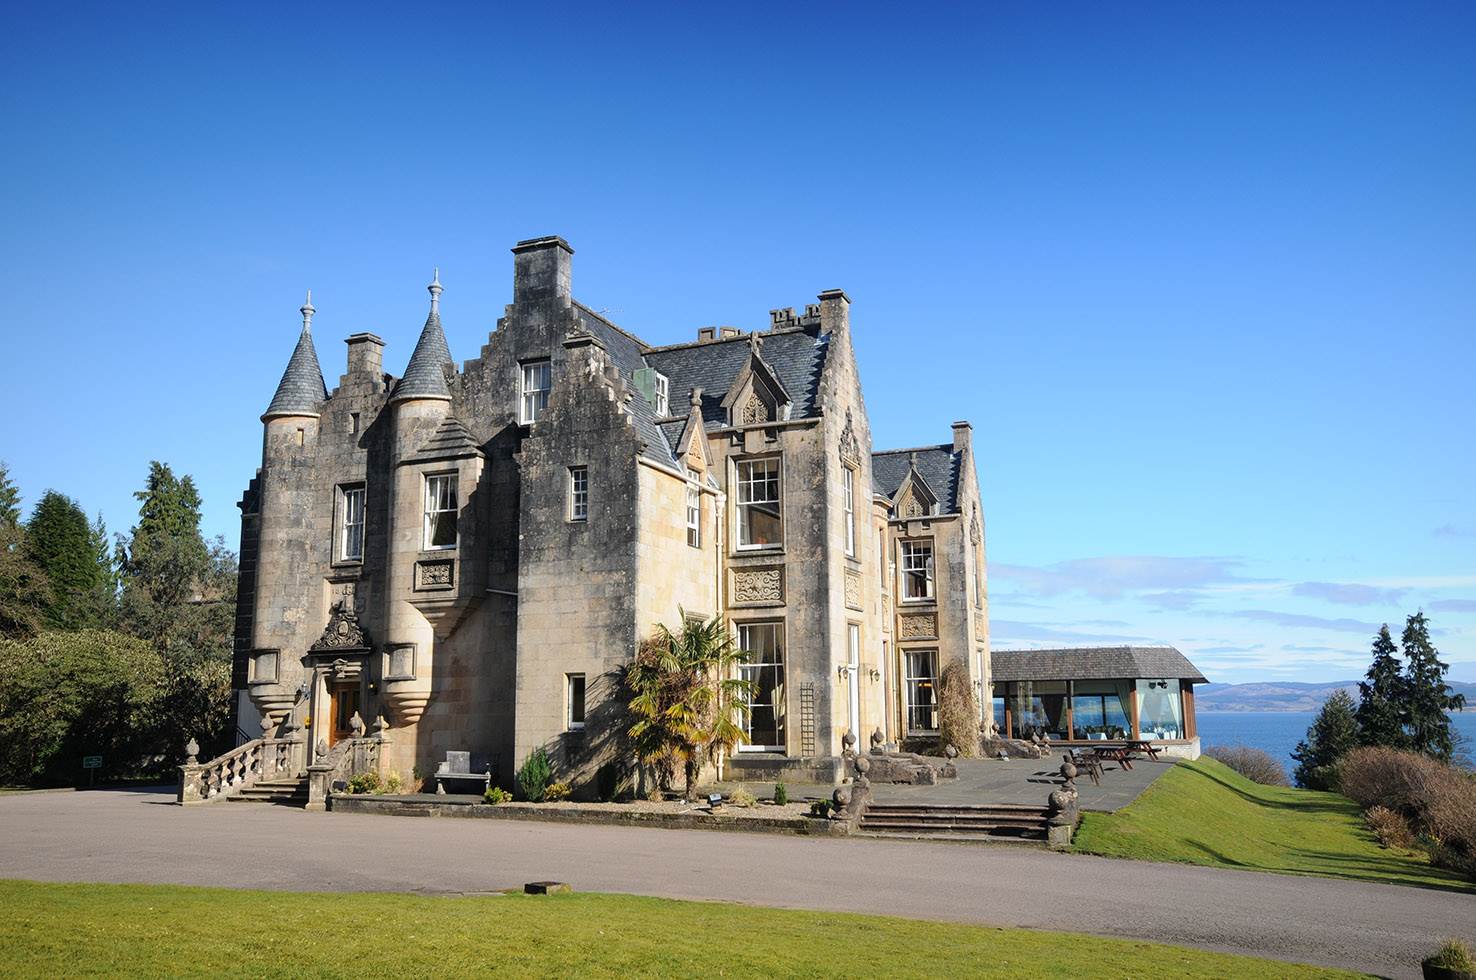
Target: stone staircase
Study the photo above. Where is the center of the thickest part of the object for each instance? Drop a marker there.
(284, 792)
(971, 822)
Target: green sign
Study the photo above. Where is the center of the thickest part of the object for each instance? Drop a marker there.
(92, 762)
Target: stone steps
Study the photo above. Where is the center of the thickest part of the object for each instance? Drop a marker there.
(1017, 820)
(284, 792)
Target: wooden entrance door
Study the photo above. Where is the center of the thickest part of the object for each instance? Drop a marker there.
(343, 703)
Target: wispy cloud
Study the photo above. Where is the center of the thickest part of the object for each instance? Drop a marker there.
(1005, 632)
(1453, 531)
(1222, 650)
(1453, 605)
(1114, 577)
(1177, 601)
(1348, 593)
(1297, 620)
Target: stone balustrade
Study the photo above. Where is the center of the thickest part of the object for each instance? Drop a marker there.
(228, 774)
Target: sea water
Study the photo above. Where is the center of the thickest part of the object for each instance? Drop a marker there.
(1278, 732)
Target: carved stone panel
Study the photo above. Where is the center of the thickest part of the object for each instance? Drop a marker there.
(758, 585)
(917, 626)
(435, 574)
(850, 447)
(853, 591)
(755, 410)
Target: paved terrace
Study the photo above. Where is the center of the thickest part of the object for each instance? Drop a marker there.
(1000, 781)
(136, 836)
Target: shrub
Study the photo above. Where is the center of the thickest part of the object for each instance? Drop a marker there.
(557, 791)
(1333, 733)
(1437, 801)
(364, 782)
(742, 797)
(496, 795)
(1253, 764)
(958, 711)
(535, 775)
(781, 794)
(1390, 828)
(392, 783)
(1378, 776)
(821, 808)
(1454, 955)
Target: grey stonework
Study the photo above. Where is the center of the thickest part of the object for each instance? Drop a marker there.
(470, 647)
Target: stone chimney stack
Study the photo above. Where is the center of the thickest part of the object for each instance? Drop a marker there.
(365, 355)
(541, 270)
(835, 310)
(963, 435)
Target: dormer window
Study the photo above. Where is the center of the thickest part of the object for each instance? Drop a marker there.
(536, 382)
(663, 400)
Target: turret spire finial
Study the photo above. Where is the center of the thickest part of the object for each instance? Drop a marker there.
(307, 312)
(435, 290)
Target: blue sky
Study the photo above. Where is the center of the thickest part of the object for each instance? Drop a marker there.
(1201, 275)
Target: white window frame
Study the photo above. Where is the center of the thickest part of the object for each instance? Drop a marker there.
(694, 511)
(911, 563)
(351, 531)
(848, 482)
(532, 400)
(744, 498)
(662, 389)
(570, 722)
(578, 494)
(914, 679)
(752, 667)
(435, 504)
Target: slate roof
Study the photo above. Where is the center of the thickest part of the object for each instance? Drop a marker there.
(938, 466)
(795, 356)
(425, 375)
(301, 390)
(626, 353)
(451, 439)
(1093, 663)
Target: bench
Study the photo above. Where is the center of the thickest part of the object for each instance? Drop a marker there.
(458, 768)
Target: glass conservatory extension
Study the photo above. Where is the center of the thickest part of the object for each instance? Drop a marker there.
(1095, 694)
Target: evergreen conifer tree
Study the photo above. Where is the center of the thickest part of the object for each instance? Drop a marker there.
(9, 499)
(1334, 731)
(1383, 708)
(1429, 697)
(59, 540)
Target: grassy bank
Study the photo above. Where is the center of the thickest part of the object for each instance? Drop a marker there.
(1204, 813)
(150, 930)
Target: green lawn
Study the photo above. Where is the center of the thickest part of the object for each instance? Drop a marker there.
(152, 930)
(1205, 813)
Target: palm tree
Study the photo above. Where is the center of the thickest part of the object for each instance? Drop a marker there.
(686, 699)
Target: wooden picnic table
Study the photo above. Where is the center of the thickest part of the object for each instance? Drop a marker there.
(1142, 745)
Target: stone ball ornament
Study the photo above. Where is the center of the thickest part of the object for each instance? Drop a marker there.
(950, 750)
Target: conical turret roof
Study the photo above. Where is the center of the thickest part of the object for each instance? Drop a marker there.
(301, 390)
(425, 375)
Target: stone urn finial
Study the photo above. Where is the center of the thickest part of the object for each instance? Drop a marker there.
(356, 725)
(877, 738)
(322, 748)
(848, 740)
(266, 726)
(192, 752)
(950, 751)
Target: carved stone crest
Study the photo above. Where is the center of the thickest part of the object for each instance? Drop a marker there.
(755, 411)
(916, 626)
(913, 507)
(850, 447)
(975, 534)
(758, 585)
(853, 590)
(343, 630)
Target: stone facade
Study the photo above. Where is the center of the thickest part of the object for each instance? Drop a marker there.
(504, 533)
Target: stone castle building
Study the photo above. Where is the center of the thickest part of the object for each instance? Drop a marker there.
(468, 553)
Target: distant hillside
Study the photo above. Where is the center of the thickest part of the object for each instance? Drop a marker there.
(1287, 695)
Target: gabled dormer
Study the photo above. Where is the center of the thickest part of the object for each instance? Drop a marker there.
(914, 498)
(757, 395)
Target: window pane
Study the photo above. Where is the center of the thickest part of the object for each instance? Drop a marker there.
(576, 700)
(765, 669)
(1159, 709)
(440, 511)
(922, 682)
